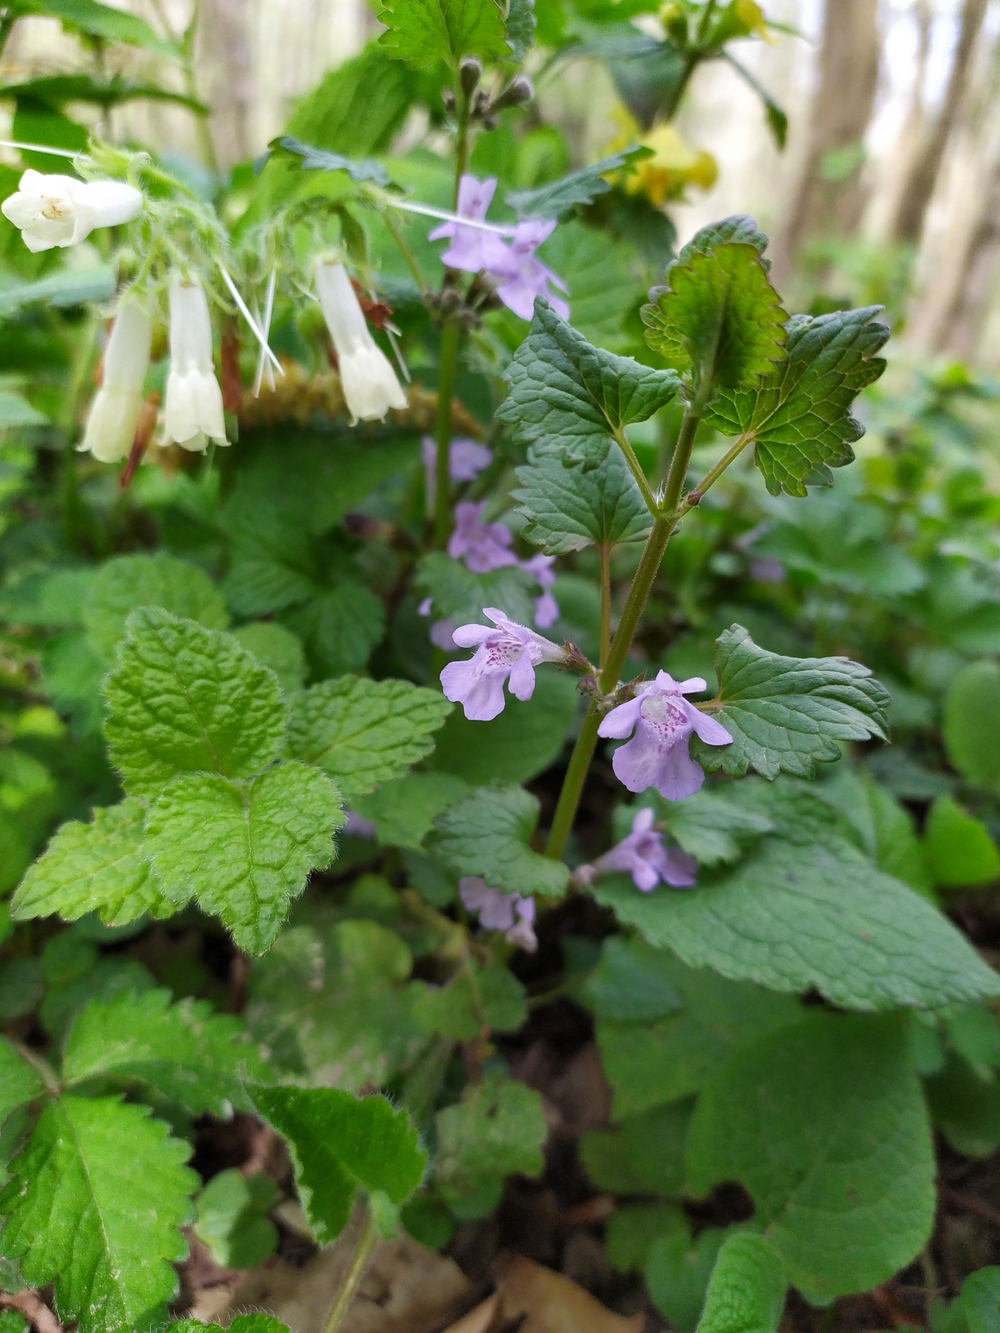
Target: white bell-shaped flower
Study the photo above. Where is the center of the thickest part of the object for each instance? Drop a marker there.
(60, 210)
(114, 413)
(192, 412)
(369, 381)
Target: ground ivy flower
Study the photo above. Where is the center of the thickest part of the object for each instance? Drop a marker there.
(645, 857)
(508, 912)
(546, 606)
(192, 411)
(369, 381)
(472, 248)
(526, 277)
(483, 546)
(53, 210)
(663, 720)
(508, 651)
(114, 413)
(466, 459)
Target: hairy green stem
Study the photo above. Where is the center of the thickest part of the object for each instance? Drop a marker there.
(352, 1278)
(713, 475)
(635, 467)
(447, 373)
(635, 604)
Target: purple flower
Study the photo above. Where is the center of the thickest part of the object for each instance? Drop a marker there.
(527, 277)
(466, 459)
(546, 606)
(510, 650)
(440, 633)
(472, 248)
(358, 825)
(484, 546)
(663, 720)
(497, 910)
(643, 856)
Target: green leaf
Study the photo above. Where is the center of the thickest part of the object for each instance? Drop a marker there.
(97, 20)
(825, 1125)
(95, 867)
(718, 318)
(340, 1143)
(497, 1128)
(340, 627)
(404, 811)
(632, 982)
(796, 917)
(322, 159)
(62, 289)
(960, 852)
(95, 1205)
(232, 1218)
(971, 724)
(460, 595)
(644, 1154)
(476, 998)
(799, 417)
(365, 732)
(558, 198)
(488, 834)
(965, 1106)
(520, 27)
(277, 648)
(713, 826)
(20, 1082)
(127, 582)
(183, 1051)
(243, 1323)
(569, 398)
(516, 746)
(980, 1300)
(337, 1007)
(678, 1270)
(425, 32)
(568, 508)
(274, 564)
(244, 849)
(12, 1322)
(17, 413)
(786, 714)
(185, 699)
(746, 1293)
(653, 1061)
(738, 229)
(885, 828)
(632, 1228)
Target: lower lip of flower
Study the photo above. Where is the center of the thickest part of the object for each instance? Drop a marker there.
(662, 715)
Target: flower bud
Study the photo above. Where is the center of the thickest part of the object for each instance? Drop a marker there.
(517, 92)
(60, 210)
(470, 71)
(369, 381)
(192, 413)
(114, 413)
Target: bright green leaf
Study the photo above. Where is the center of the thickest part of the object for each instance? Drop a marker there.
(184, 1051)
(232, 1218)
(568, 398)
(825, 1125)
(786, 714)
(95, 1205)
(277, 648)
(128, 582)
(340, 1143)
(104, 21)
(403, 811)
(186, 699)
(20, 1082)
(365, 732)
(488, 833)
(95, 867)
(799, 417)
(960, 852)
(244, 850)
(746, 1292)
(425, 32)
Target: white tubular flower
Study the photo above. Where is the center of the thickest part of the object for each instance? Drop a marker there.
(114, 413)
(369, 381)
(192, 413)
(60, 210)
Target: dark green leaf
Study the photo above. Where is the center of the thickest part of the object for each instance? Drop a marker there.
(558, 198)
(972, 723)
(488, 835)
(322, 159)
(568, 508)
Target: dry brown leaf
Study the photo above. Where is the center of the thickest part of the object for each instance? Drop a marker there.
(483, 1318)
(552, 1303)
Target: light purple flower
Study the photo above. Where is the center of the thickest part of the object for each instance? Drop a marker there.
(466, 459)
(546, 606)
(440, 633)
(483, 546)
(663, 720)
(472, 248)
(497, 910)
(358, 825)
(643, 856)
(510, 650)
(527, 277)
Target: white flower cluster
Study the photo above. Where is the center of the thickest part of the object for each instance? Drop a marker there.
(53, 210)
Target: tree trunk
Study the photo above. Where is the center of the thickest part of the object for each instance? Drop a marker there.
(963, 320)
(919, 186)
(830, 197)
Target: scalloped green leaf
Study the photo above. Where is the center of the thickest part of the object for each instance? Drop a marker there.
(569, 508)
(487, 835)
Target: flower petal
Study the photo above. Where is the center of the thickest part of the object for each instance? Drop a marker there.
(621, 721)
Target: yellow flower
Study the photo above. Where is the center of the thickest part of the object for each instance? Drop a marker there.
(673, 166)
(750, 15)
